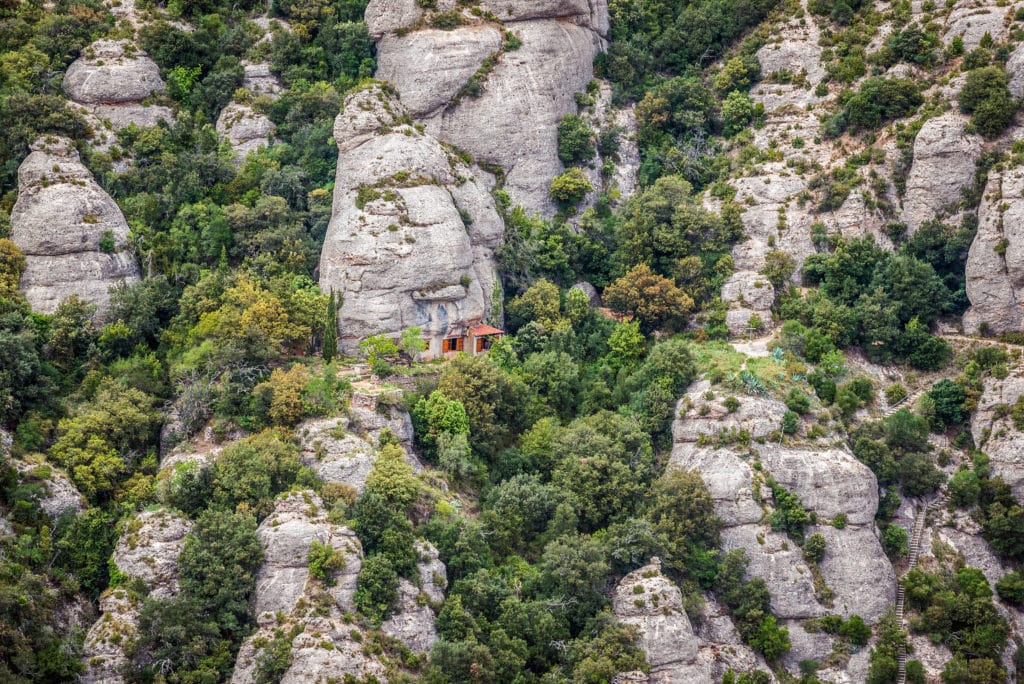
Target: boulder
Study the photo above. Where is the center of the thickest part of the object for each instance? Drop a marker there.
(401, 248)
(653, 604)
(749, 288)
(61, 221)
(995, 263)
(112, 71)
(944, 158)
(246, 129)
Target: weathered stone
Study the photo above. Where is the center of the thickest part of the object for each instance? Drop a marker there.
(971, 21)
(286, 535)
(111, 71)
(996, 434)
(59, 495)
(650, 602)
(149, 549)
(445, 61)
(59, 220)
(398, 247)
(1015, 69)
(412, 622)
(995, 263)
(246, 129)
(944, 157)
(749, 288)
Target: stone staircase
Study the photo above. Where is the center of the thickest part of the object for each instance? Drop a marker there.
(916, 540)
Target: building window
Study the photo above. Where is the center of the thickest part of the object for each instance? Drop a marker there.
(452, 344)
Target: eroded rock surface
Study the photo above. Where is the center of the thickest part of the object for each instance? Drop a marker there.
(413, 621)
(246, 129)
(995, 433)
(412, 230)
(536, 82)
(995, 263)
(327, 647)
(109, 82)
(828, 481)
(147, 550)
(72, 232)
(653, 604)
(944, 158)
(298, 520)
(58, 494)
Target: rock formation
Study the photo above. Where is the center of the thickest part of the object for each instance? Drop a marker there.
(944, 157)
(287, 597)
(474, 87)
(59, 495)
(412, 229)
(829, 482)
(109, 82)
(148, 550)
(413, 621)
(650, 602)
(995, 433)
(246, 129)
(72, 233)
(995, 263)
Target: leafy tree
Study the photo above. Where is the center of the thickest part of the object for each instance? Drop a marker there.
(249, 473)
(654, 300)
(376, 587)
(986, 96)
(1011, 588)
(574, 570)
(683, 516)
(494, 401)
(195, 636)
(570, 188)
(737, 112)
(437, 415)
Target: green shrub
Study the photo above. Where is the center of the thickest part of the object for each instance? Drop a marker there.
(570, 188)
(575, 140)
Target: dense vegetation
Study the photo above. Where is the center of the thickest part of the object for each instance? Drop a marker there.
(547, 479)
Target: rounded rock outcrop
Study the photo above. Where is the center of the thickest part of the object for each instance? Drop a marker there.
(71, 231)
(112, 71)
(412, 230)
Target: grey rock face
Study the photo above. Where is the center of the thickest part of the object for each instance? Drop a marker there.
(997, 436)
(653, 604)
(328, 647)
(298, 520)
(60, 495)
(58, 221)
(971, 21)
(1015, 69)
(246, 129)
(413, 621)
(747, 294)
(404, 247)
(536, 82)
(944, 157)
(111, 71)
(828, 482)
(148, 550)
(995, 263)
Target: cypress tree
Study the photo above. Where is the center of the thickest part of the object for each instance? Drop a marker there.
(331, 330)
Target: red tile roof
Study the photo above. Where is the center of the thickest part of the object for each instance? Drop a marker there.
(482, 330)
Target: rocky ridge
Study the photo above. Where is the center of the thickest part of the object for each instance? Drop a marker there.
(73, 234)
(854, 577)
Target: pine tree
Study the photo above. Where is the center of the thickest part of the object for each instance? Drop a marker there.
(330, 349)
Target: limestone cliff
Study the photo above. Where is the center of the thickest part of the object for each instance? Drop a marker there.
(72, 233)
(412, 230)
(494, 83)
